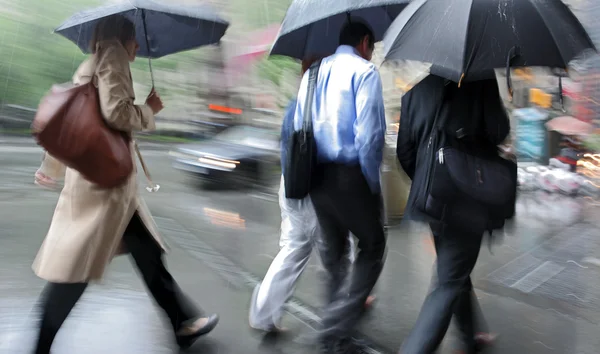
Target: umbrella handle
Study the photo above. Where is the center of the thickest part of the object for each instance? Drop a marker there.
(151, 72)
(560, 92)
(147, 46)
(513, 53)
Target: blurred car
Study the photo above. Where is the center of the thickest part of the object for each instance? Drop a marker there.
(239, 156)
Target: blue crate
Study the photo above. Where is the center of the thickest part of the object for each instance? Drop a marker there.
(531, 135)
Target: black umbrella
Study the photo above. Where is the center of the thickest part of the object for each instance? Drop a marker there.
(161, 28)
(312, 27)
(467, 39)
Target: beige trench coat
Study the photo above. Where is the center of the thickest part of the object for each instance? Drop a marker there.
(89, 222)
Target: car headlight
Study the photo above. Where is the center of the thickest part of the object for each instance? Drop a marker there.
(223, 163)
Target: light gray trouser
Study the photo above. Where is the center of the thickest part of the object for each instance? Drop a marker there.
(300, 232)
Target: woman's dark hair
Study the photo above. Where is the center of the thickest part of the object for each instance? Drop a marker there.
(354, 32)
(113, 27)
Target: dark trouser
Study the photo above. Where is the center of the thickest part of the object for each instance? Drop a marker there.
(344, 203)
(59, 298)
(452, 294)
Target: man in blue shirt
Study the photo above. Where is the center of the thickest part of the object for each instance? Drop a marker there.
(300, 231)
(349, 126)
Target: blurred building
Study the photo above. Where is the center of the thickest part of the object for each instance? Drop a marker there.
(207, 91)
(588, 68)
(588, 12)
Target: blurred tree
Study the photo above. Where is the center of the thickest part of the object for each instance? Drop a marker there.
(257, 14)
(273, 68)
(32, 57)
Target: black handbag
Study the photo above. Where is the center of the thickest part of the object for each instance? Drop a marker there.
(468, 184)
(302, 148)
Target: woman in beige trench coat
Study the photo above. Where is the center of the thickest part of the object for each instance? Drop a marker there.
(91, 225)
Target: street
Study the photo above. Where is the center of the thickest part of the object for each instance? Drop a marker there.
(539, 288)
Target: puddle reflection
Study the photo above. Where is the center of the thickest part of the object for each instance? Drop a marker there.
(226, 219)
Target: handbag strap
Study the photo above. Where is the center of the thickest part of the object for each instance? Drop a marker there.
(152, 187)
(313, 74)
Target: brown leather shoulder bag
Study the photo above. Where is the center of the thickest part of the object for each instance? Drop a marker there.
(70, 126)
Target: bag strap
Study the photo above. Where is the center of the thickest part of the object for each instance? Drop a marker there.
(152, 187)
(313, 75)
(438, 111)
(440, 107)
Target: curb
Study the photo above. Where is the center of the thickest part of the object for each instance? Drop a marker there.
(30, 142)
(155, 146)
(18, 142)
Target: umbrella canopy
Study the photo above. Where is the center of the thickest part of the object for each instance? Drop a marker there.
(162, 28)
(312, 27)
(467, 39)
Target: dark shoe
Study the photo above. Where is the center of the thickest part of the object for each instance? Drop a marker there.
(483, 342)
(187, 336)
(339, 346)
(272, 329)
(370, 303)
(324, 347)
(263, 328)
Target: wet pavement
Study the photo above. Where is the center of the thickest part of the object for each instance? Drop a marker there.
(540, 289)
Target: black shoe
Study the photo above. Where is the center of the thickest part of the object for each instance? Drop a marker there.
(186, 341)
(483, 342)
(339, 346)
(325, 346)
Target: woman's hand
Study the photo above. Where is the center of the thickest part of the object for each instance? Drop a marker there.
(154, 102)
(507, 152)
(44, 181)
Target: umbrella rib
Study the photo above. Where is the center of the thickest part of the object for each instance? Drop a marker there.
(543, 18)
(323, 17)
(308, 30)
(81, 24)
(467, 65)
(132, 4)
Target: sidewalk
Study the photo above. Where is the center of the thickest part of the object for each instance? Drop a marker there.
(16, 141)
(539, 290)
(118, 317)
(528, 287)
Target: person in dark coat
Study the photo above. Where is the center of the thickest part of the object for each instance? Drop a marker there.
(477, 108)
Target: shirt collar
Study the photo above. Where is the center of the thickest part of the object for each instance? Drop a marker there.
(346, 49)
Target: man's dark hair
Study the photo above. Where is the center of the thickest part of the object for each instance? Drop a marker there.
(113, 27)
(354, 32)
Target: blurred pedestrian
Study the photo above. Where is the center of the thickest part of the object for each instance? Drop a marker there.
(349, 127)
(91, 225)
(300, 232)
(474, 110)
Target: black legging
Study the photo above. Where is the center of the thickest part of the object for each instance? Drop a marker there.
(59, 298)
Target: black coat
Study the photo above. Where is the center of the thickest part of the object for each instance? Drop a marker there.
(475, 107)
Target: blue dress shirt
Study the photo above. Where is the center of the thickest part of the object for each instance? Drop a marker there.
(348, 113)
